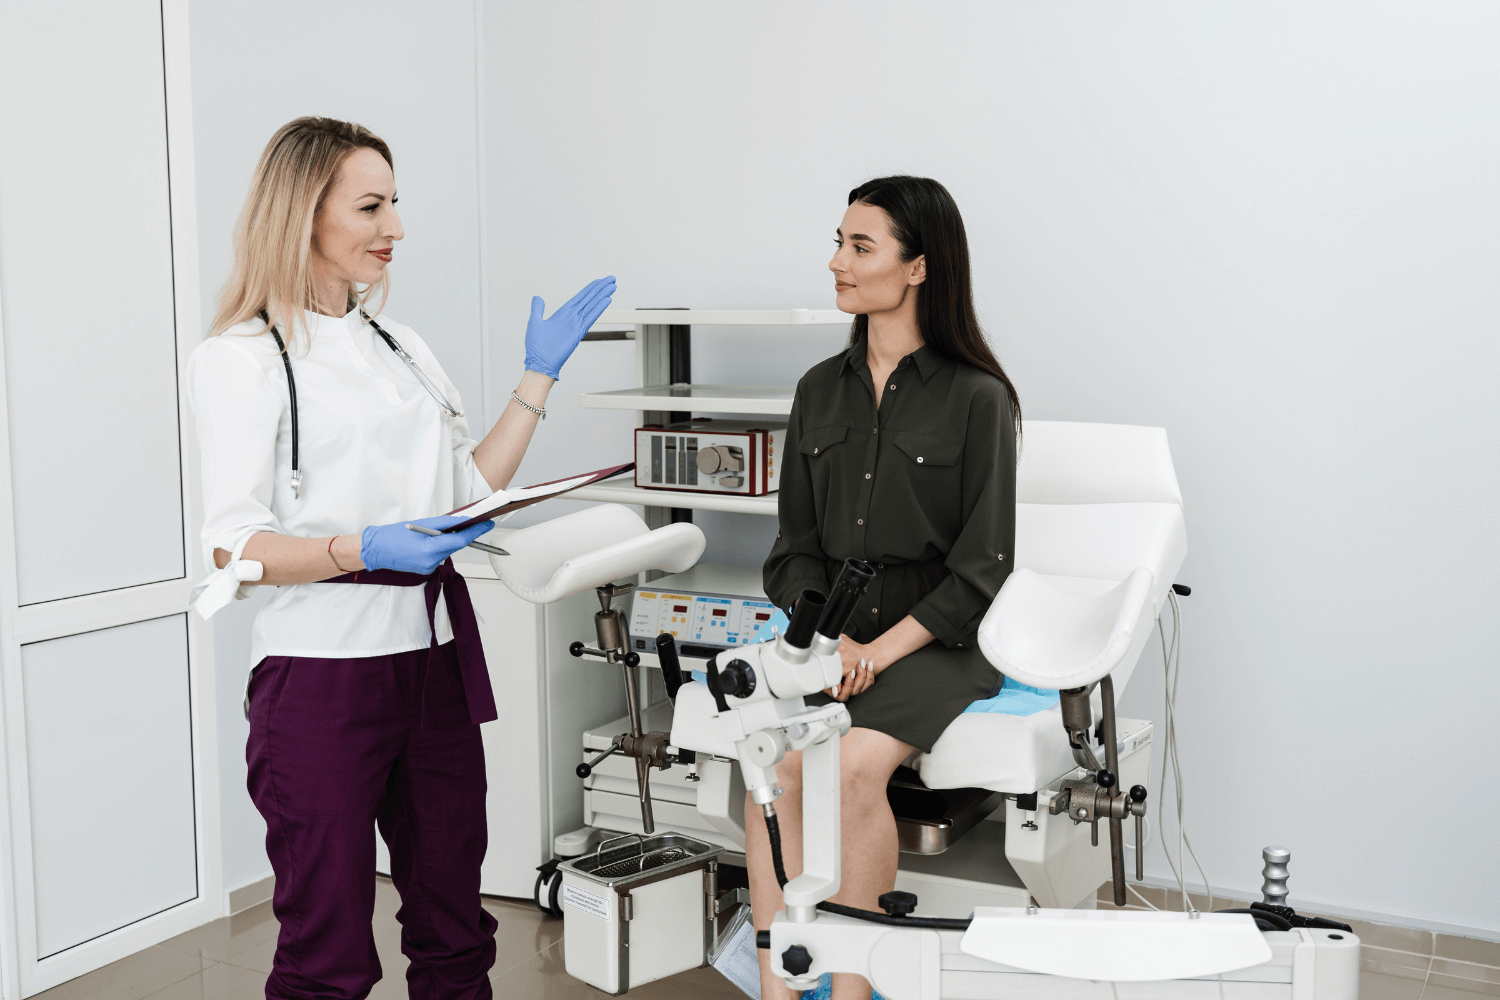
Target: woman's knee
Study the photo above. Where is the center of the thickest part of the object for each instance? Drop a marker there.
(789, 773)
(867, 766)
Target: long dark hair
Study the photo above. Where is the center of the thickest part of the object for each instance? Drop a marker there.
(925, 220)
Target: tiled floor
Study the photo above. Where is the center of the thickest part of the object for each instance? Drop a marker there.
(229, 959)
(1396, 963)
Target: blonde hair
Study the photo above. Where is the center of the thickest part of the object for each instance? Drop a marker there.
(273, 238)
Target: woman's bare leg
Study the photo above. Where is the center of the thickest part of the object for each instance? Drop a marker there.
(867, 759)
(765, 893)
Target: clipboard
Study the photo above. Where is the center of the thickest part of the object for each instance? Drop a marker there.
(505, 501)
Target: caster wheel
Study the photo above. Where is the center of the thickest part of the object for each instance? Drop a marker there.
(548, 885)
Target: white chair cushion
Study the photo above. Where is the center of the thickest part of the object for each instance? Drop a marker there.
(1046, 637)
(1005, 753)
(1048, 632)
(1103, 541)
(1066, 462)
(590, 548)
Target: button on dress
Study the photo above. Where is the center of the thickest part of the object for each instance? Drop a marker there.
(922, 488)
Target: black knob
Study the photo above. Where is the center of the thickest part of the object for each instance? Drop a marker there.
(763, 939)
(1105, 777)
(576, 649)
(1138, 793)
(583, 770)
(796, 960)
(898, 903)
(738, 679)
(632, 659)
(1181, 589)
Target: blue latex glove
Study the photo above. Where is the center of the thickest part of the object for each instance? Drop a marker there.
(395, 546)
(550, 342)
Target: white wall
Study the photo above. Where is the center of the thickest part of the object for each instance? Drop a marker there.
(1266, 227)
(411, 79)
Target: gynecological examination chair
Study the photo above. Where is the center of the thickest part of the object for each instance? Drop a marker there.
(1100, 537)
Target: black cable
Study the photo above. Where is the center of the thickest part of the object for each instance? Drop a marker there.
(930, 923)
(773, 832)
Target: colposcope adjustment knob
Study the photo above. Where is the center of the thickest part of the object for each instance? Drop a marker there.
(1138, 793)
(1105, 777)
(737, 679)
(632, 659)
(576, 649)
(898, 903)
(796, 960)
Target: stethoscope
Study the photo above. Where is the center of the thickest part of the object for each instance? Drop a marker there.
(291, 386)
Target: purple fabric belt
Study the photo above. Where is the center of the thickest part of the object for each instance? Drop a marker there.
(455, 590)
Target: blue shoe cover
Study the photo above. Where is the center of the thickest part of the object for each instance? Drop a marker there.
(824, 990)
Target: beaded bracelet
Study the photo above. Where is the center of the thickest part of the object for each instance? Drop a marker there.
(539, 411)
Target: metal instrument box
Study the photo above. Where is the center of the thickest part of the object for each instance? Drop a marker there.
(630, 907)
(710, 456)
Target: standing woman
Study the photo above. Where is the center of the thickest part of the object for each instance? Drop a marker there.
(326, 427)
(903, 454)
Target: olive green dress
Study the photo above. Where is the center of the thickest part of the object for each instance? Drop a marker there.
(924, 489)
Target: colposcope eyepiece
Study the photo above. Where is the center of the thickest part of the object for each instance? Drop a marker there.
(850, 586)
(805, 615)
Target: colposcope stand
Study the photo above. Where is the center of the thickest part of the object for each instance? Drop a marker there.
(649, 749)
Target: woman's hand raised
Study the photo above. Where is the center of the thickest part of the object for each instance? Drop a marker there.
(550, 342)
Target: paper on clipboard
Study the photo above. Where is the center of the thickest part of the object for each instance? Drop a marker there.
(505, 501)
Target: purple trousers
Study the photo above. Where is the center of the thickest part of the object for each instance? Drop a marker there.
(337, 747)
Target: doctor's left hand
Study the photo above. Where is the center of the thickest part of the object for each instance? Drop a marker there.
(550, 342)
(394, 546)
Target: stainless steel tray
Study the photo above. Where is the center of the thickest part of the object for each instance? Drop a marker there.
(632, 858)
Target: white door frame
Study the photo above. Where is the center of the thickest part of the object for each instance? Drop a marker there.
(22, 972)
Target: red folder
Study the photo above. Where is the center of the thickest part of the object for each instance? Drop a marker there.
(505, 501)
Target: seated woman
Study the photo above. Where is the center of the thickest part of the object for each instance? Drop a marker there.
(900, 451)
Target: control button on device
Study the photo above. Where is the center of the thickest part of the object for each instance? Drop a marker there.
(898, 903)
(796, 960)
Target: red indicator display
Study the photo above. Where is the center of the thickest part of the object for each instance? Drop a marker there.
(680, 609)
(762, 616)
(720, 612)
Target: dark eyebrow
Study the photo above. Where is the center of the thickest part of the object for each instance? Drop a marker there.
(857, 236)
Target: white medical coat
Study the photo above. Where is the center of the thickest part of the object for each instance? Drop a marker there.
(374, 448)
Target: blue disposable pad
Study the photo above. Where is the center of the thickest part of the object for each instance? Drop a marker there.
(1016, 698)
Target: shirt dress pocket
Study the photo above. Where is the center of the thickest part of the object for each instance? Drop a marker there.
(928, 451)
(818, 440)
